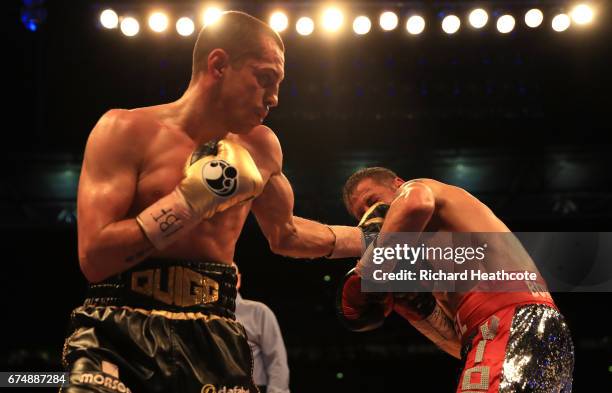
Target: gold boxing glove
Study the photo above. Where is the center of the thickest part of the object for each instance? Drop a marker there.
(218, 175)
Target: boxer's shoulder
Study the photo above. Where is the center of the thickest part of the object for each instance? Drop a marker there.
(264, 146)
(263, 138)
(420, 181)
(437, 188)
(123, 123)
(123, 135)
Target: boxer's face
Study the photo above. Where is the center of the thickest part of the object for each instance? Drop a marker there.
(250, 89)
(369, 192)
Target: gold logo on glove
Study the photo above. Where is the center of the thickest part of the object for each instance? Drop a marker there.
(220, 177)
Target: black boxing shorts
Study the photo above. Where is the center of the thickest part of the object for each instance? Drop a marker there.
(164, 326)
(514, 342)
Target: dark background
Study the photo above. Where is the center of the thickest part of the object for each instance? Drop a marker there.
(521, 121)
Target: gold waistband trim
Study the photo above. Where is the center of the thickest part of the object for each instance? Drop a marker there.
(170, 314)
(184, 287)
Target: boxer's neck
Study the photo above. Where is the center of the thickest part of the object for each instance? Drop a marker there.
(195, 113)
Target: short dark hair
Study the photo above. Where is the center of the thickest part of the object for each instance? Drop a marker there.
(379, 174)
(237, 33)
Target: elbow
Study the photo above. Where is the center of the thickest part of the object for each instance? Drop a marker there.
(421, 211)
(456, 352)
(89, 271)
(87, 260)
(418, 200)
(281, 243)
(411, 210)
(277, 246)
(422, 199)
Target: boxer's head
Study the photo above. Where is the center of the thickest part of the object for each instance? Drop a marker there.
(368, 186)
(242, 61)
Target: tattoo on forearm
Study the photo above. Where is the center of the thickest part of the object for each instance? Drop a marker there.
(139, 255)
(442, 323)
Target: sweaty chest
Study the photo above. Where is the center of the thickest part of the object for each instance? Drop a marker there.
(158, 177)
(163, 169)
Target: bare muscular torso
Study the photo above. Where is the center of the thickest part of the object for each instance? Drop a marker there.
(458, 211)
(165, 151)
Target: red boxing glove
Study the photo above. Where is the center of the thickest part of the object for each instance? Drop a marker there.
(415, 306)
(361, 311)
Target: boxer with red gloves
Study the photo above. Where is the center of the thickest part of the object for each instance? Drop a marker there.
(511, 341)
(362, 311)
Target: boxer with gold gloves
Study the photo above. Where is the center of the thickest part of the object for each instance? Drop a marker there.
(218, 175)
(157, 237)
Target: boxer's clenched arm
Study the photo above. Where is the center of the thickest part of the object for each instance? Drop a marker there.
(287, 234)
(294, 236)
(108, 243)
(425, 314)
(411, 210)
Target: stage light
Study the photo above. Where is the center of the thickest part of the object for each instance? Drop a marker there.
(211, 15)
(185, 26)
(109, 19)
(561, 22)
(158, 22)
(582, 14)
(304, 26)
(451, 24)
(130, 26)
(332, 19)
(362, 25)
(415, 24)
(33, 14)
(534, 18)
(505, 24)
(478, 18)
(279, 21)
(388, 20)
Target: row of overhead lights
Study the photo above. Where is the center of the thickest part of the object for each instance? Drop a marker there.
(332, 20)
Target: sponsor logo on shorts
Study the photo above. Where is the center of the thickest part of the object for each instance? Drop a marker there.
(104, 380)
(208, 388)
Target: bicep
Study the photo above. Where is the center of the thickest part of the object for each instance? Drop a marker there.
(108, 178)
(275, 204)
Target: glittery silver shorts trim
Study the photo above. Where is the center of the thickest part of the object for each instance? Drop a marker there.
(540, 354)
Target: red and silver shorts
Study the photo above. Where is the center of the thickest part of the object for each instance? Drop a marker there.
(525, 347)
